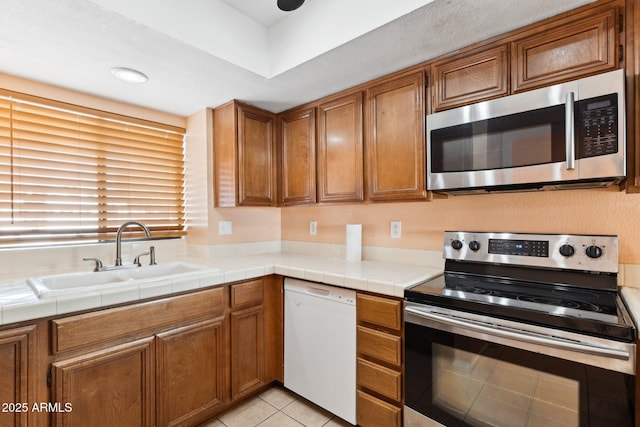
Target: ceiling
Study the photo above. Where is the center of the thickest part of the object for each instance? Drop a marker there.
(202, 53)
(263, 12)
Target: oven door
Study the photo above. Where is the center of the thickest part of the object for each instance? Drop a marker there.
(464, 370)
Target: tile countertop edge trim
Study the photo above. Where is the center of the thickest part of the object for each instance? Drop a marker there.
(631, 298)
(34, 309)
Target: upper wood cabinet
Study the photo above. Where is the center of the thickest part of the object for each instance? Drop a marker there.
(566, 49)
(340, 155)
(394, 143)
(472, 77)
(298, 157)
(244, 156)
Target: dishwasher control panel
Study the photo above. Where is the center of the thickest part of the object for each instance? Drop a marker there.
(346, 296)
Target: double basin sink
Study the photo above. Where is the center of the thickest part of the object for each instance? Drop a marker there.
(63, 284)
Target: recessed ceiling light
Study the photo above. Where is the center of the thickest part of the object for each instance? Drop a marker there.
(129, 75)
(289, 5)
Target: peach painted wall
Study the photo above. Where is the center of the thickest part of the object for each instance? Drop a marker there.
(607, 211)
(42, 90)
(249, 224)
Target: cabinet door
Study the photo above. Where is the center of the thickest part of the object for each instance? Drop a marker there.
(189, 373)
(256, 157)
(14, 375)
(474, 77)
(395, 140)
(106, 388)
(570, 49)
(340, 159)
(298, 179)
(247, 350)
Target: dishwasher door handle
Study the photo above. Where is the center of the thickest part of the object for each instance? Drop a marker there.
(318, 292)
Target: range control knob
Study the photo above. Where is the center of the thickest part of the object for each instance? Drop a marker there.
(567, 250)
(456, 244)
(474, 245)
(594, 251)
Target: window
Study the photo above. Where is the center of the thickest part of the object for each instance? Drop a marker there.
(70, 174)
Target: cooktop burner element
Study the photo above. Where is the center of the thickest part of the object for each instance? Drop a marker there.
(536, 279)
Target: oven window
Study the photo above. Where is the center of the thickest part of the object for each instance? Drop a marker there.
(484, 389)
(461, 381)
(523, 139)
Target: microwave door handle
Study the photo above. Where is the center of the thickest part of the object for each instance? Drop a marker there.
(570, 142)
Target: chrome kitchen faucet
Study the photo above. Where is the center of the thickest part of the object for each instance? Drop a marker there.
(136, 261)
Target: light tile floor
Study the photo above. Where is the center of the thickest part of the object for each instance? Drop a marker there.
(276, 407)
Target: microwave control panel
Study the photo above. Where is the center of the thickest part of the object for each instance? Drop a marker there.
(597, 126)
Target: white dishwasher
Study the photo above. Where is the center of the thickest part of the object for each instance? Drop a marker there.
(320, 345)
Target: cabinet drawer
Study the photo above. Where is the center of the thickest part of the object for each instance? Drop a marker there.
(373, 412)
(247, 293)
(379, 311)
(91, 328)
(381, 346)
(382, 380)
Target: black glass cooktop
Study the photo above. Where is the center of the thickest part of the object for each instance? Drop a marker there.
(592, 311)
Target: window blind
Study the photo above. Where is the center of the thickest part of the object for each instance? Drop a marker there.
(68, 176)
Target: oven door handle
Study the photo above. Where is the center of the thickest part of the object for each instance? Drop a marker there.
(520, 335)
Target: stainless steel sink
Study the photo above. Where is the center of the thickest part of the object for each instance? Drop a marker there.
(63, 284)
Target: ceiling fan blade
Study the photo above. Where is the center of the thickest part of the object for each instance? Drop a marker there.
(289, 5)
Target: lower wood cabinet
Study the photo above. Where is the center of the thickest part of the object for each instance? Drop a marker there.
(380, 396)
(376, 412)
(247, 331)
(176, 361)
(247, 350)
(15, 375)
(190, 372)
(114, 386)
(387, 382)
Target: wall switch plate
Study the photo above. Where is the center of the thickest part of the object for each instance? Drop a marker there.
(313, 228)
(396, 229)
(224, 228)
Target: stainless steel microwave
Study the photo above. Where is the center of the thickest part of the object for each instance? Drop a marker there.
(570, 135)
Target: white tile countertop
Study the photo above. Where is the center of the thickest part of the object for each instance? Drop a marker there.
(631, 297)
(19, 303)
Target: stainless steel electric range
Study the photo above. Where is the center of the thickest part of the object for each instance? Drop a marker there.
(520, 329)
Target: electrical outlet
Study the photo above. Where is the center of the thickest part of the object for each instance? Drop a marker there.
(224, 228)
(313, 228)
(396, 229)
